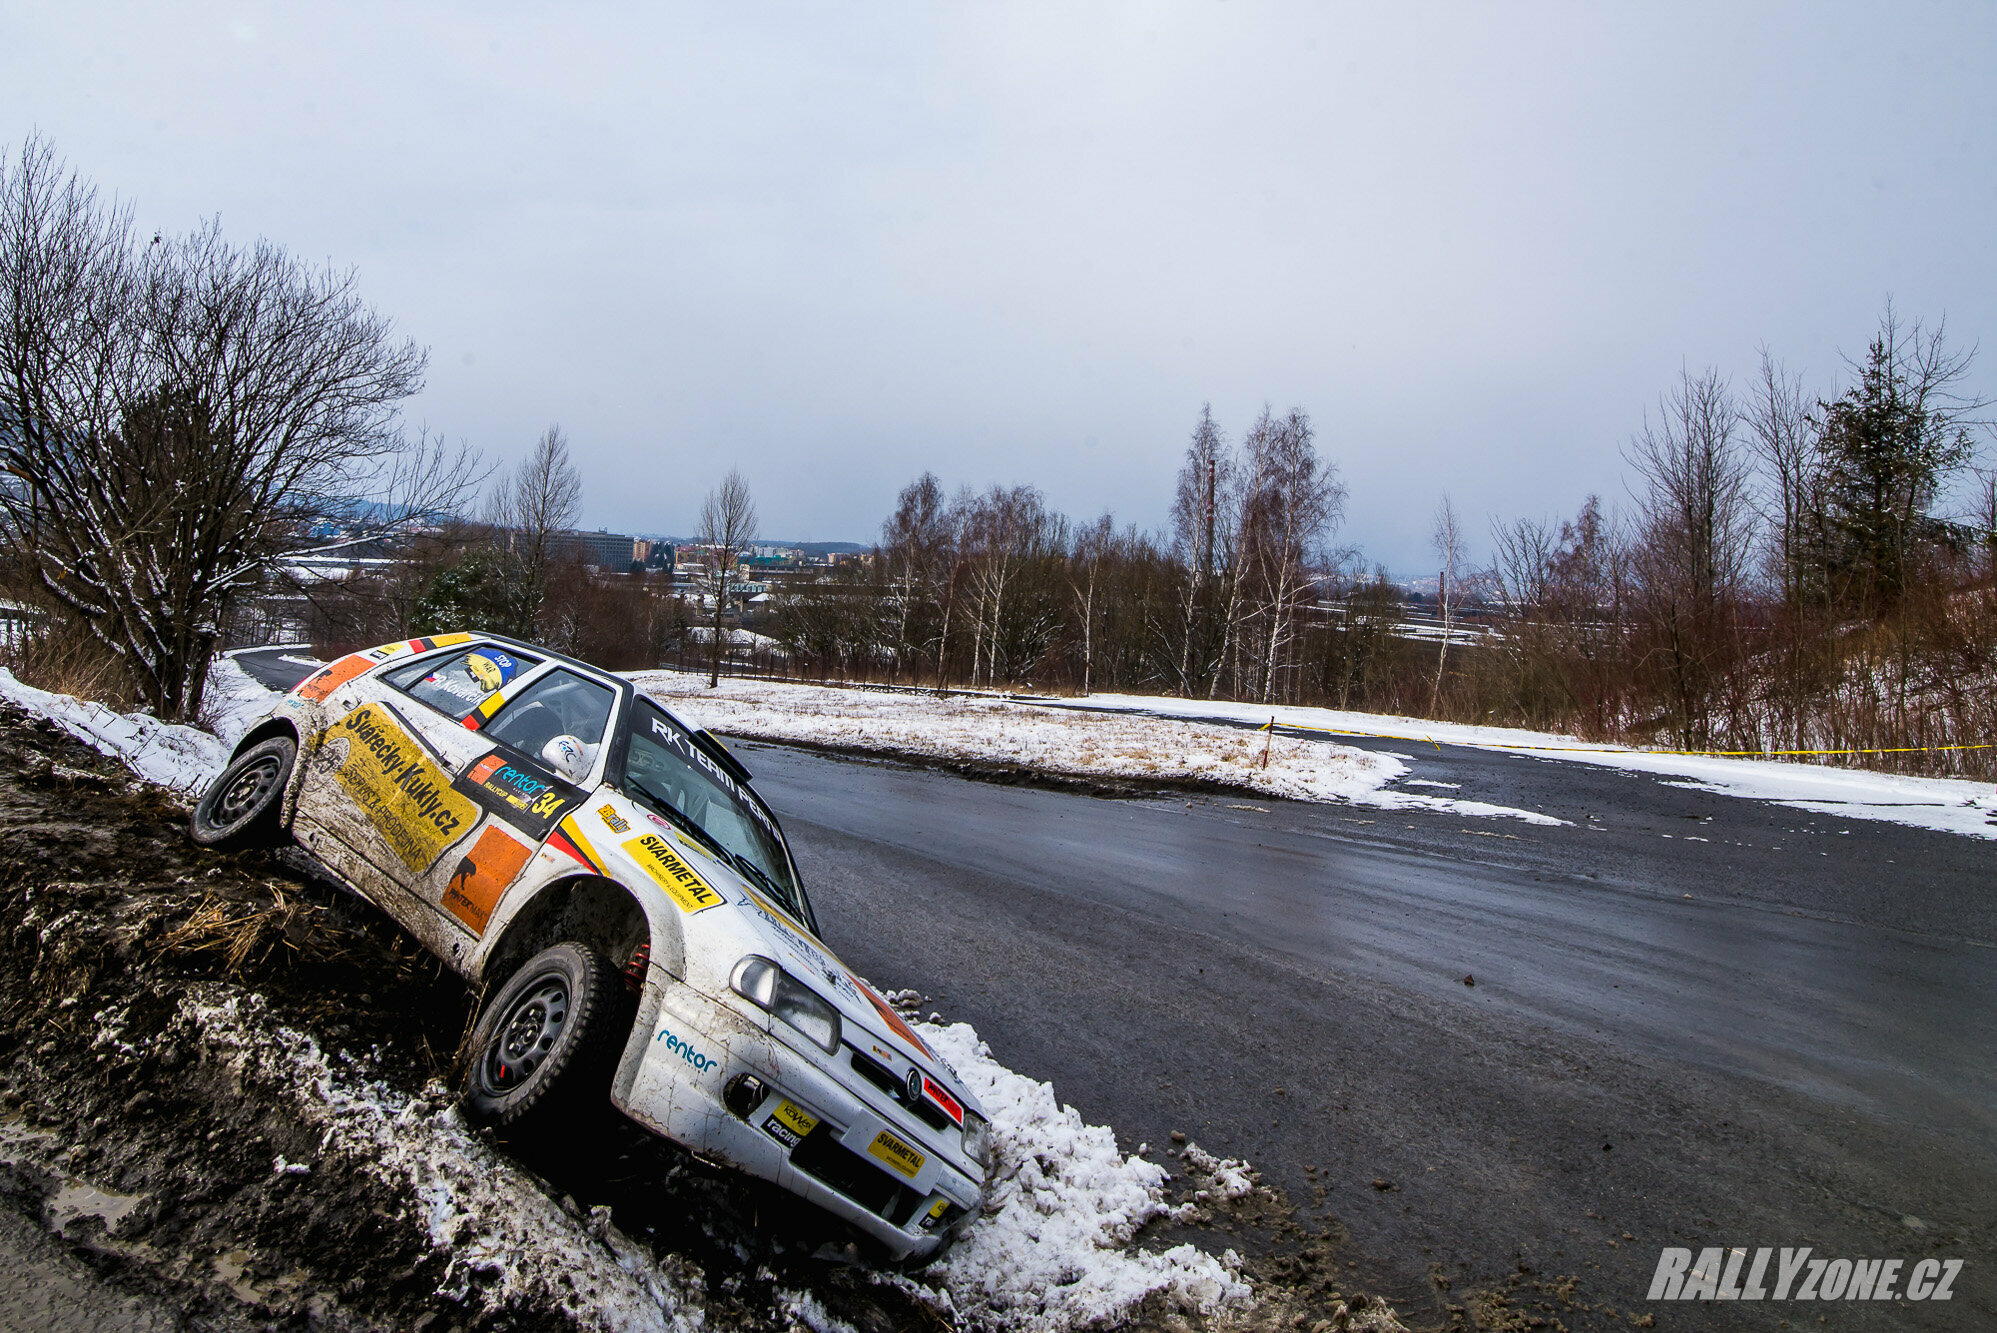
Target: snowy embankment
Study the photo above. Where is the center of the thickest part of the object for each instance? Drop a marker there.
(1945, 805)
(1053, 1250)
(1049, 737)
(177, 757)
(1051, 1253)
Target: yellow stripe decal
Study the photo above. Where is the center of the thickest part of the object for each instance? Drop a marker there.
(568, 827)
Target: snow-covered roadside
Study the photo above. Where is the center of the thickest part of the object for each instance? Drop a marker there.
(1945, 805)
(497, 1231)
(1049, 738)
(1050, 1253)
(180, 758)
(1052, 1250)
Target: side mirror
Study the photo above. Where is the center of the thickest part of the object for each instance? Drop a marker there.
(568, 756)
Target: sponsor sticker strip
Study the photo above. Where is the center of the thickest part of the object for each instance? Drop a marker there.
(889, 1148)
(789, 1123)
(408, 799)
(682, 883)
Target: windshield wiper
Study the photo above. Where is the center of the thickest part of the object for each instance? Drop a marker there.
(762, 877)
(737, 860)
(681, 819)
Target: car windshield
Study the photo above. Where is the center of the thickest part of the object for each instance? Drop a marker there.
(665, 770)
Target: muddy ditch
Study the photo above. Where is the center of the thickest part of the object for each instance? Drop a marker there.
(224, 1092)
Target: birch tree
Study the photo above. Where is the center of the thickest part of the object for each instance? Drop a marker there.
(1446, 540)
(913, 541)
(1294, 499)
(1201, 530)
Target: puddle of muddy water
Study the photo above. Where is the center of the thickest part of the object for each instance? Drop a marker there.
(21, 1144)
(78, 1199)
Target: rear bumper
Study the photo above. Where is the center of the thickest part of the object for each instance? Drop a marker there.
(808, 1132)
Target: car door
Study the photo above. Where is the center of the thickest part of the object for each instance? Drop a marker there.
(384, 802)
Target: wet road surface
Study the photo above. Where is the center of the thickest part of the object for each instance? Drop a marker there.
(1781, 1035)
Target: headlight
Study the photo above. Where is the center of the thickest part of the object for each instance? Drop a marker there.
(978, 1139)
(767, 986)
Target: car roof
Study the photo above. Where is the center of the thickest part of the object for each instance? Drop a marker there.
(702, 736)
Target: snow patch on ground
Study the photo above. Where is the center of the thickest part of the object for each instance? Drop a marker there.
(1052, 1250)
(1944, 805)
(1228, 1178)
(500, 1234)
(178, 757)
(234, 701)
(1051, 738)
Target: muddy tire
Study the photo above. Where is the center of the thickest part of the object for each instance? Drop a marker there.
(244, 806)
(547, 1042)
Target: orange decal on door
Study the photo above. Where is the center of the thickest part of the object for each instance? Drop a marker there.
(482, 875)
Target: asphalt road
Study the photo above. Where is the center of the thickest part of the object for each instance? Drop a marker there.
(1712, 1043)
(1697, 1020)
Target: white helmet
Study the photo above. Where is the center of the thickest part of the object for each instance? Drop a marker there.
(568, 756)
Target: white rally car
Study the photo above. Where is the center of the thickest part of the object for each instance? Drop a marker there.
(543, 827)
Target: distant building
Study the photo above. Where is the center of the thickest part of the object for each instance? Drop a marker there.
(613, 551)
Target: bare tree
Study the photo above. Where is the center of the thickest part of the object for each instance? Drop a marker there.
(1093, 545)
(913, 541)
(1293, 500)
(177, 417)
(1003, 529)
(1447, 541)
(1697, 532)
(1202, 522)
(1784, 441)
(727, 525)
(534, 514)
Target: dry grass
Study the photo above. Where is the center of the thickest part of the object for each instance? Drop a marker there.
(65, 659)
(246, 933)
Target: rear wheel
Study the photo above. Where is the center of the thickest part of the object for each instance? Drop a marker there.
(544, 1048)
(242, 807)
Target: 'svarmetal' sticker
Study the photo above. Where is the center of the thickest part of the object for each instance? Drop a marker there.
(897, 1154)
(680, 881)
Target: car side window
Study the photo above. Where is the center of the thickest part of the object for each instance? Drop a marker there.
(560, 703)
(454, 685)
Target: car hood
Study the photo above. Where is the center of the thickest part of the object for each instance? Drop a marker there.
(758, 925)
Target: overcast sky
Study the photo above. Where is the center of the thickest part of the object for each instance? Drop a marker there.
(835, 245)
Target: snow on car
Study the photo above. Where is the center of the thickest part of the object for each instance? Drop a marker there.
(631, 904)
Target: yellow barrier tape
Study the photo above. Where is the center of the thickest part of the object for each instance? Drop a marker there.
(1271, 725)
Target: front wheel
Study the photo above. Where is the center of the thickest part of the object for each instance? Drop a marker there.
(545, 1046)
(243, 807)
